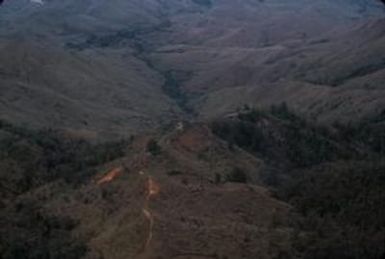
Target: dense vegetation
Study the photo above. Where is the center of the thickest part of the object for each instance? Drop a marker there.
(333, 176)
(172, 89)
(283, 138)
(342, 209)
(30, 159)
(29, 232)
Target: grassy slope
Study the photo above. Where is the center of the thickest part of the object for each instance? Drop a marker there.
(94, 93)
(107, 72)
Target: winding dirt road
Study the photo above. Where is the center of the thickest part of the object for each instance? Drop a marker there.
(152, 189)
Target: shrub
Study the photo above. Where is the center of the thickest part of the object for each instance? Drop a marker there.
(237, 175)
(174, 172)
(153, 147)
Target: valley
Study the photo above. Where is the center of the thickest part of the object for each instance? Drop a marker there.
(188, 129)
(188, 57)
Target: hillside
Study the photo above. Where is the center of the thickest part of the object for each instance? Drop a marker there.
(189, 129)
(332, 176)
(197, 191)
(133, 65)
(177, 199)
(329, 77)
(86, 93)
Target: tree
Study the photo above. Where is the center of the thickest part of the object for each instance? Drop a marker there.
(237, 175)
(153, 147)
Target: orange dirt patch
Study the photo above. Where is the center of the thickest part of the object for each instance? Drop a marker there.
(153, 188)
(110, 176)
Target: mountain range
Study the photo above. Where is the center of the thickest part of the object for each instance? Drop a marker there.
(192, 129)
(131, 65)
